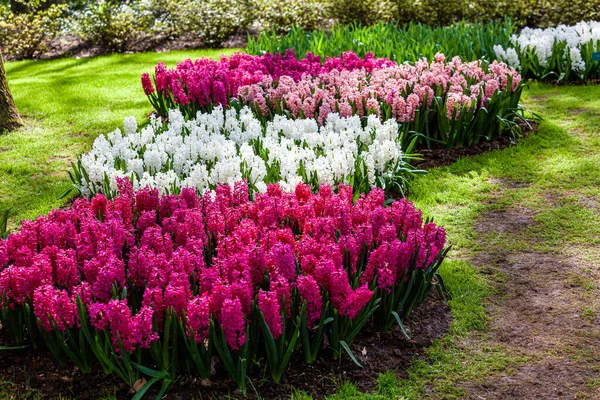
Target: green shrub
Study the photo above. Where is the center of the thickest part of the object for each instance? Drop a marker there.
(27, 34)
(211, 21)
(532, 13)
(282, 15)
(363, 11)
(114, 25)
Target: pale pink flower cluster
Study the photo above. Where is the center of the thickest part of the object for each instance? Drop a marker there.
(402, 90)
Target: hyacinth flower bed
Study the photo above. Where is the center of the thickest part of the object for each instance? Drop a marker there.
(202, 84)
(227, 146)
(151, 285)
(439, 103)
(563, 53)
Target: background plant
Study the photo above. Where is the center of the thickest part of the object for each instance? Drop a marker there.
(532, 13)
(115, 25)
(365, 11)
(283, 15)
(564, 53)
(397, 42)
(211, 21)
(27, 34)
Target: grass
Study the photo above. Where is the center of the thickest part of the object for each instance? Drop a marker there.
(561, 162)
(67, 104)
(555, 173)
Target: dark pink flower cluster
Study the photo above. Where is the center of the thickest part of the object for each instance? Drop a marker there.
(211, 258)
(209, 82)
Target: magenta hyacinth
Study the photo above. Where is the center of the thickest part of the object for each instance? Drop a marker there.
(270, 306)
(234, 325)
(213, 257)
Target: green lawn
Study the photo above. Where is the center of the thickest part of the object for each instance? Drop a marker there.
(69, 102)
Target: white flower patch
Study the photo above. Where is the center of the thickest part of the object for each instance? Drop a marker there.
(566, 41)
(226, 146)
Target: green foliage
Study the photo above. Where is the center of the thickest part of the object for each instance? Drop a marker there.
(432, 12)
(363, 11)
(4, 224)
(397, 42)
(114, 25)
(533, 13)
(28, 33)
(26, 27)
(559, 66)
(211, 21)
(282, 15)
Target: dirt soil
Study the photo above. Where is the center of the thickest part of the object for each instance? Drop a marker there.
(538, 314)
(443, 157)
(377, 352)
(74, 46)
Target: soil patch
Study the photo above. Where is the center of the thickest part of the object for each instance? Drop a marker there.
(443, 157)
(377, 352)
(578, 111)
(505, 221)
(538, 314)
(558, 200)
(75, 46)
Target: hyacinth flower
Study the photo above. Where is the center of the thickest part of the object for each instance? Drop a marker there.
(436, 102)
(563, 53)
(202, 84)
(159, 285)
(451, 103)
(229, 145)
(233, 341)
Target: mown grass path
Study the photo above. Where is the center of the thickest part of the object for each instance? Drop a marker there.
(528, 219)
(542, 235)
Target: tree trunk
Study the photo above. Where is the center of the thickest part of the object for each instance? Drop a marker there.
(9, 116)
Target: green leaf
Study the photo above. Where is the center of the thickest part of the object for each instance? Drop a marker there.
(397, 317)
(13, 347)
(350, 353)
(150, 372)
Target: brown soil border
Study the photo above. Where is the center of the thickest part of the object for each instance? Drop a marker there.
(37, 371)
(444, 157)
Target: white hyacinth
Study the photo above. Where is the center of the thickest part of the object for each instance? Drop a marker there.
(567, 40)
(225, 146)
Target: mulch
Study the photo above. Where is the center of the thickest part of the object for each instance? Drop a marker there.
(74, 46)
(432, 158)
(36, 371)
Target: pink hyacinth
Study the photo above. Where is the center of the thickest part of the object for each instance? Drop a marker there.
(404, 88)
(311, 294)
(212, 258)
(198, 317)
(270, 306)
(147, 84)
(54, 307)
(210, 82)
(234, 325)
